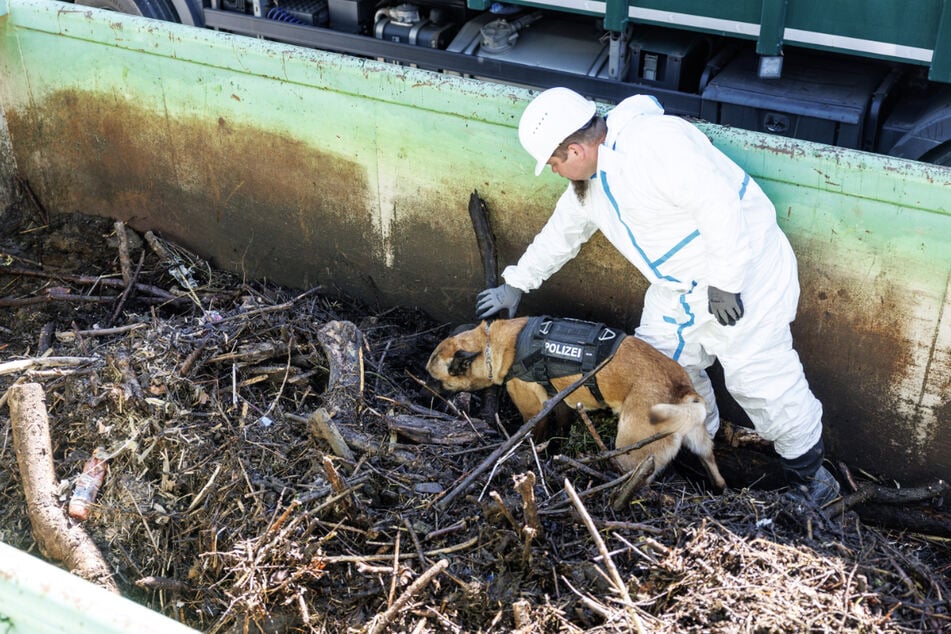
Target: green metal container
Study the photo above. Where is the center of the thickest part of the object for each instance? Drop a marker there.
(314, 168)
(39, 598)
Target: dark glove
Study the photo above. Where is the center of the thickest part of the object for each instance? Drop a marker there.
(726, 307)
(494, 300)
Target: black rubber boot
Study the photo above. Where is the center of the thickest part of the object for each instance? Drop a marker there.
(808, 479)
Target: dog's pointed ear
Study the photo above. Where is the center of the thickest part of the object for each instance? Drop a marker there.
(461, 361)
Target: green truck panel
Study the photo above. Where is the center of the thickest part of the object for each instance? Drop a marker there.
(886, 29)
(310, 167)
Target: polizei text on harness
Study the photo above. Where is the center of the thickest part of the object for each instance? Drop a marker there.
(563, 350)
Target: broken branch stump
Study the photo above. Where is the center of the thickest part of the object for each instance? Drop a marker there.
(56, 537)
(125, 262)
(342, 343)
(479, 214)
(525, 485)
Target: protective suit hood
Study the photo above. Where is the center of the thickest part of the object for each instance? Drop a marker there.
(627, 111)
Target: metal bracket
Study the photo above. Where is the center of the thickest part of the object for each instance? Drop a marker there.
(619, 53)
(769, 44)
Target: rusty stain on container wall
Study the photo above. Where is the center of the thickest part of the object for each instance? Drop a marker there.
(300, 214)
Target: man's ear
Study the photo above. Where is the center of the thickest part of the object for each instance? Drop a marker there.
(586, 150)
(461, 361)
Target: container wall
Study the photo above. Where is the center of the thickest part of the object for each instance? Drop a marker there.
(313, 168)
(39, 598)
(7, 162)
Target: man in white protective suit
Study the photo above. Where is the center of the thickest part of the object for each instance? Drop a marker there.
(723, 277)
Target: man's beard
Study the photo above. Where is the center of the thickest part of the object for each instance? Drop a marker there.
(581, 189)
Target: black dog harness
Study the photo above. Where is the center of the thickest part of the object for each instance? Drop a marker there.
(549, 348)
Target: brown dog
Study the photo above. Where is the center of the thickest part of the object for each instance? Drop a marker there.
(649, 392)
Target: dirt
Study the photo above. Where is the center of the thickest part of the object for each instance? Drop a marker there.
(225, 508)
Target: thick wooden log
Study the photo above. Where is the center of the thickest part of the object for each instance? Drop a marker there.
(358, 441)
(909, 519)
(57, 538)
(439, 432)
(898, 508)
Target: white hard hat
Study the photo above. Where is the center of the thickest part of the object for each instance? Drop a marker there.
(551, 118)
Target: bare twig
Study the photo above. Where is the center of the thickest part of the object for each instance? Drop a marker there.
(46, 338)
(504, 509)
(622, 450)
(613, 575)
(189, 363)
(68, 336)
(381, 621)
(93, 280)
(339, 484)
(55, 295)
(416, 543)
(479, 215)
(352, 559)
(635, 480)
(322, 426)
(591, 430)
(165, 584)
(44, 362)
(204, 490)
(27, 190)
(128, 287)
(580, 466)
(597, 489)
(528, 535)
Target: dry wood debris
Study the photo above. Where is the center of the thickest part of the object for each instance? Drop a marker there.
(277, 464)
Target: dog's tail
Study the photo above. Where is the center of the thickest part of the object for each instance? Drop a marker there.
(690, 412)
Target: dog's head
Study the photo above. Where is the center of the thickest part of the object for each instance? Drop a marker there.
(458, 362)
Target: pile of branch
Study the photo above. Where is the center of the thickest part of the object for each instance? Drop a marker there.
(277, 463)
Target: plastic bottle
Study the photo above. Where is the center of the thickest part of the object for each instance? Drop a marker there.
(87, 485)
